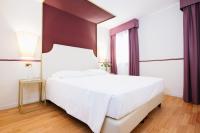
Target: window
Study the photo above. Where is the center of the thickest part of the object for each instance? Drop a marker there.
(122, 52)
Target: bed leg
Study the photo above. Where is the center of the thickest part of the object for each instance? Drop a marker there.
(144, 119)
(159, 105)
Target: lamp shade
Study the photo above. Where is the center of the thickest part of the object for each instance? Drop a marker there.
(27, 44)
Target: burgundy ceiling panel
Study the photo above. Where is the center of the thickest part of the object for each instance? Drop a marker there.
(63, 28)
(81, 8)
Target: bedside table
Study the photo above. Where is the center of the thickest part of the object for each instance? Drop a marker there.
(42, 91)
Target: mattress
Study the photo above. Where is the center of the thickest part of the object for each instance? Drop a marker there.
(126, 92)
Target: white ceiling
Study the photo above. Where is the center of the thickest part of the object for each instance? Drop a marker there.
(125, 10)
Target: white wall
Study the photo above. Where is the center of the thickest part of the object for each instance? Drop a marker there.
(160, 37)
(103, 40)
(161, 34)
(17, 15)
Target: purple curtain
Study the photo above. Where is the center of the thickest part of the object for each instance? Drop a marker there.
(132, 26)
(113, 54)
(133, 52)
(191, 52)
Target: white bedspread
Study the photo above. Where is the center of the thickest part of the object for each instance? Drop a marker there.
(91, 98)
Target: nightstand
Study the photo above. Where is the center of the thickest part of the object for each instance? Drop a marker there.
(41, 86)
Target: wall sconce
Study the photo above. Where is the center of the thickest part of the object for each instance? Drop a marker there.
(27, 44)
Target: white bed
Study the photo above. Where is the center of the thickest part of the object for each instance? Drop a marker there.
(106, 102)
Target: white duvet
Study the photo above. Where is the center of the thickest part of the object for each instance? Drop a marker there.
(91, 97)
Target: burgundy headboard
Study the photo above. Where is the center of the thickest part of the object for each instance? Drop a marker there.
(60, 27)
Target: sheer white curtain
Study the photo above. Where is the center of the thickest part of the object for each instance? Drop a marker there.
(122, 52)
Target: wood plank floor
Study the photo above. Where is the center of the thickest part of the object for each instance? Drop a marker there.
(174, 116)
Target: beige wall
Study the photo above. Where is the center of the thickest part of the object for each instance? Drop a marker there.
(17, 15)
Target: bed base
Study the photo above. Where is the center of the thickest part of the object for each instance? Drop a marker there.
(130, 121)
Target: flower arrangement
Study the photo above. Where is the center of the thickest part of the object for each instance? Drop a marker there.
(105, 65)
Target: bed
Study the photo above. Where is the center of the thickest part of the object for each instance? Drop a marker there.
(105, 102)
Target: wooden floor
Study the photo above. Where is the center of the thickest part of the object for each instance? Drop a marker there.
(175, 116)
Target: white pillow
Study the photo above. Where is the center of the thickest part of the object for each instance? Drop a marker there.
(92, 72)
(67, 74)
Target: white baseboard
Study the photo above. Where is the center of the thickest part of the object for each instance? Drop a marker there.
(14, 105)
(9, 106)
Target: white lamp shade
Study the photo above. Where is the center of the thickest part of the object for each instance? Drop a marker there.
(27, 44)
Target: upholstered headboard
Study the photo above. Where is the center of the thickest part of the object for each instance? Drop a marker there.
(67, 58)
